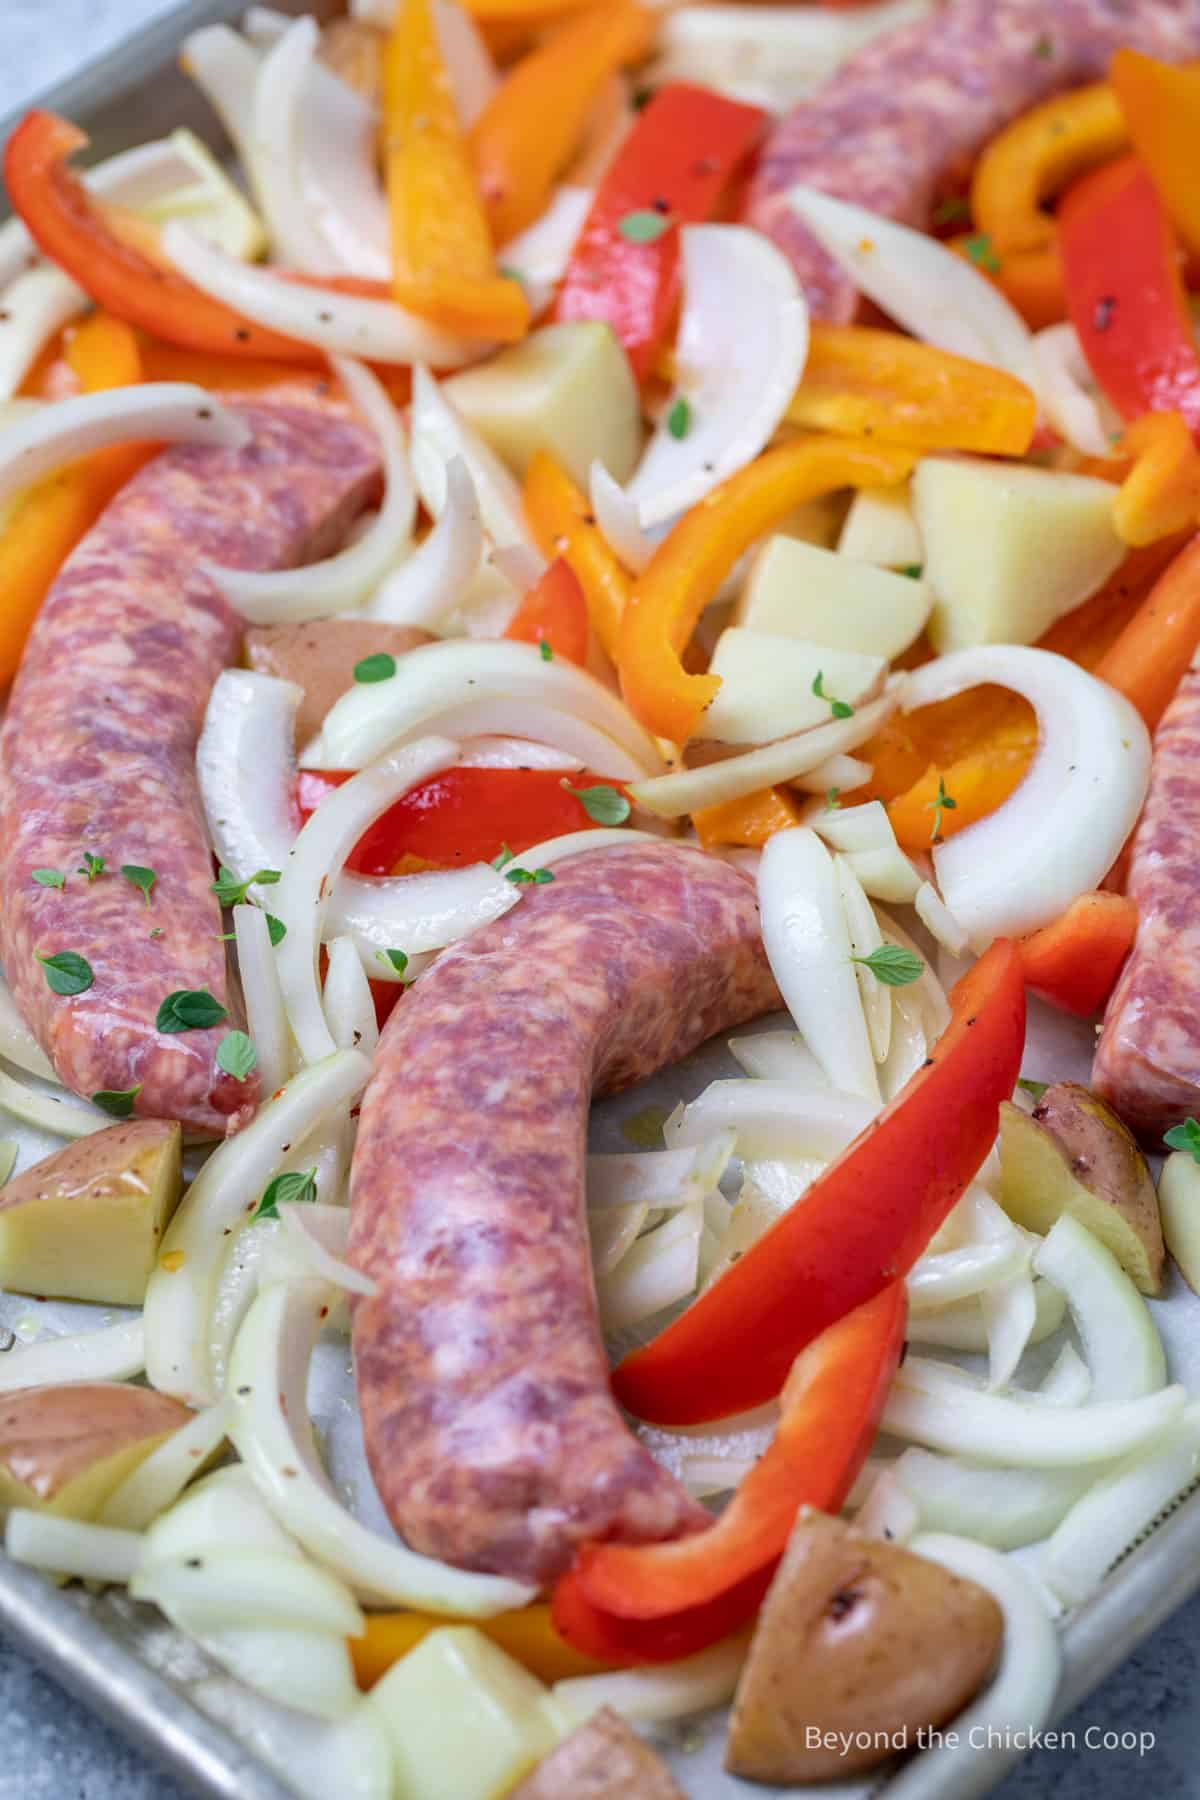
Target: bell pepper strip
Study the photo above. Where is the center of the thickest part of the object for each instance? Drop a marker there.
(114, 255)
(1033, 281)
(528, 1636)
(682, 152)
(535, 122)
(1036, 157)
(1161, 493)
(443, 265)
(879, 384)
(689, 566)
(862, 1225)
(1074, 961)
(1160, 104)
(532, 12)
(750, 821)
(1129, 309)
(968, 789)
(554, 612)
(647, 1602)
(560, 516)
(464, 815)
(1151, 656)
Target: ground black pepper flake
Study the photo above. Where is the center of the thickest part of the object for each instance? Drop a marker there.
(1102, 317)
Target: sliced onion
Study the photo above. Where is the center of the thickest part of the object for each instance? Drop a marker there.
(1079, 408)
(658, 1178)
(1009, 1307)
(513, 753)
(887, 1512)
(940, 1278)
(346, 996)
(670, 1691)
(175, 412)
(246, 768)
(114, 1353)
(552, 851)
(778, 1056)
(315, 862)
(539, 255)
(613, 1233)
(473, 75)
(247, 1588)
(661, 1269)
(435, 678)
(1001, 1507)
(430, 583)
(340, 324)
(34, 305)
(9, 1151)
(865, 837)
(1067, 1382)
(617, 514)
(938, 920)
(158, 1482)
(71, 1547)
(313, 1239)
(17, 1043)
(962, 1327)
(1123, 1349)
(278, 596)
(414, 913)
(966, 1762)
(772, 1119)
(69, 1118)
(845, 773)
(865, 939)
(1060, 832)
(280, 98)
(270, 1427)
(741, 350)
(788, 759)
(222, 1510)
(440, 433)
(266, 1015)
(563, 732)
(181, 1290)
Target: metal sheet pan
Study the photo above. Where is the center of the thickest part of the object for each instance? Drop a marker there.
(120, 1659)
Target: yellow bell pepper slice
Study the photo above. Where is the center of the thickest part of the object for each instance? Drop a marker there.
(1160, 105)
(443, 265)
(528, 1636)
(692, 562)
(1161, 493)
(748, 823)
(560, 517)
(879, 384)
(1035, 157)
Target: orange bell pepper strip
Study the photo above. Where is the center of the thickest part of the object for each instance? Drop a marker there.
(1032, 280)
(750, 821)
(969, 788)
(560, 516)
(1161, 493)
(1160, 104)
(531, 128)
(1151, 656)
(114, 255)
(1037, 156)
(528, 1636)
(862, 1224)
(882, 385)
(692, 562)
(443, 266)
(554, 613)
(654, 1602)
(1074, 962)
(523, 11)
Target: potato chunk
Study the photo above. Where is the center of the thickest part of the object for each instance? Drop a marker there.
(602, 1760)
(769, 683)
(64, 1450)
(806, 592)
(856, 1637)
(321, 657)
(880, 528)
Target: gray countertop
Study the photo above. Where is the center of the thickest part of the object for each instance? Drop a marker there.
(53, 1750)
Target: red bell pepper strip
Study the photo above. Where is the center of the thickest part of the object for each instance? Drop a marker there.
(114, 255)
(462, 816)
(1125, 294)
(637, 1599)
(676, 162)
(862, 1224)
(554, 612)
(1074, 962)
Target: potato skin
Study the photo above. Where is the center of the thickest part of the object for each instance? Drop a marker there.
(602, 1760)
(320, 657)
(860, 1637)
(52, 1439)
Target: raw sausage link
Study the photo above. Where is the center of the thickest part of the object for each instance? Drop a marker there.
(97, 751)
(1148, 1059)
(915, 105)
(490, 1429)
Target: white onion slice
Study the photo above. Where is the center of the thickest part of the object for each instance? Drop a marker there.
(270, 597)
(808, 946)
(34, 306)
(887, 1512)
(9, 1151)
(778, 1056)
(414, 913)
(69, 1118)
(158, 1482)
(159, 412)
(670, 1691)
(71, 1547)
(180, 1293)
(1067, 1382)
(430, 583)
(561, 729)
(661, 1269)
(616, 513)
(314, 1238)
(552, 851)
(513, 753)
(246, 768)
(314, 864)
(845, 773)
(440, 433)
(741, 349)
(266, 1015)
(234, 1588)
(962, 1327)
(280, 98)
(538, 256)
(270, 1427)
(429, 681)
(1070, 396)
(473, 75)
(938, 920)
(865, 938)
(1060, 832)
(340, 324)
(788, 759)
(772, 1119)
(865, 837)
(967, 1761)
(658, 1177)
(347, 999)
(114, 1353)
(17, 1043)
(1122, 1346)
(944, 1276)
(1001, 1507)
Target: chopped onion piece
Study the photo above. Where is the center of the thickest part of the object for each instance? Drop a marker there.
(852, 829)
(17, 1043)
(1122, 1346)
(778, 1056)
(885, 874)
(1067, 1383)
(430, 583)
(658, 1178)
(271, 1429)
(772, 1119)
(414, 913)
(670, 1691)
(278, 596)
(1060, 832)
(844, 773)
(962, 1327)
(740, 352)
(1001, 1507)
(617, 515)
(158, 1482)
(247, 773)
(70, 1547)
(346, 996)
(340, 324)
(1009, 1308)
(266, 1015)
(514, 753)
(36, 304)
(317, 1237)
(552, 851)
(966, 1762)
(888, 1512)
(865, 939)
(314, 864)
(939, 1278)
(181, 1289)
(175, 412)
(280, 99)
(473, 75)
(613, 1233)
(938, 920)
(661, 1269)
(538, 256)
(234, 1588)
(113, 1353)
(1070, 396)
(69, 1118)
(440, 433)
